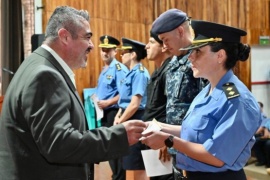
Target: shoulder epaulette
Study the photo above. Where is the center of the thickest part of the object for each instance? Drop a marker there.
(141, 68)
(118, 67)
(230, 90)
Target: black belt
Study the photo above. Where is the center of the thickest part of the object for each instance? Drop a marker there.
(111, 109)
(225, 175)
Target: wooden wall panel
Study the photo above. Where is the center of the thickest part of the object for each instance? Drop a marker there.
(133, 19)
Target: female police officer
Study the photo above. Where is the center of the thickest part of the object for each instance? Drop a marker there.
(215, 139)
(132, 99)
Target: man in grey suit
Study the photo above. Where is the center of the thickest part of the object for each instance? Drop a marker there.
(43, 132)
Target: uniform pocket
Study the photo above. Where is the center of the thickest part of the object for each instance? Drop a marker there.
(127, 88)
(203, 128)
(110, 84)
(200, 124)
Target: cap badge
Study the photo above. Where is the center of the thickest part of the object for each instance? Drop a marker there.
(106, 40)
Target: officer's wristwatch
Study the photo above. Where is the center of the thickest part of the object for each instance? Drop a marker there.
(169, 141)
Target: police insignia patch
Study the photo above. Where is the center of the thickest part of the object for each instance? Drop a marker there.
(118, 67)
(230, 90)
(141, 68)
(109, 77)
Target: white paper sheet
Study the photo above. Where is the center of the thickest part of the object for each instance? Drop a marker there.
(154, 166)
(99, 112)
(153, 126)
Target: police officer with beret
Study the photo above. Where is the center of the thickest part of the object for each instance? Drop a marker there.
(107, 91)
(217, 133)
(173, 28)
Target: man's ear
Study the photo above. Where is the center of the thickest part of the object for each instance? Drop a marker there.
(63, 35)
(115, 51)
(180, 30)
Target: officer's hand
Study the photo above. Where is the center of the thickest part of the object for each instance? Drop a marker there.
(134, 130)
(116, 120)
(102, 104)
(155, 139)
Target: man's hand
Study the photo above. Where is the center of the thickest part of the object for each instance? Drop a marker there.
(164, 155)
(134, 129)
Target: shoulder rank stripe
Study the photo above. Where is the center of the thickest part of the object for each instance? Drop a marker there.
(230, 90)
(141, 68)
(118, 67)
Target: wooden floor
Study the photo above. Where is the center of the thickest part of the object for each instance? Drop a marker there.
(256, 172)
(103, 172)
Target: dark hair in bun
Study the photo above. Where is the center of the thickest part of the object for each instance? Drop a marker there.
(244, 50)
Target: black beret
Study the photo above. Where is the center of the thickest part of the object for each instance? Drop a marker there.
(108, 42)
(168, 21)
(209, 32)
(138, 47)
(155, 36)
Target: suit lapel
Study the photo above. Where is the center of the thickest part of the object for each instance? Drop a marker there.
(54, 62)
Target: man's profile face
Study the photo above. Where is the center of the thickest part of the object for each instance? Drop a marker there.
(170, 40)
(107, 54)
(153, 49)
(177, 38)
(80, 47)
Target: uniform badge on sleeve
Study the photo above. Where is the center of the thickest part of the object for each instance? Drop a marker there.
(141, 68)
(230, 90)
(118, 67)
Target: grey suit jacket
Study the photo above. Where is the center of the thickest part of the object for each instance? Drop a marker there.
(43, 133)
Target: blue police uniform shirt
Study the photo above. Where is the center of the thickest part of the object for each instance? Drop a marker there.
(109, 81)
(134, 83)
(225, 127)
(264, 119)
(267, 124)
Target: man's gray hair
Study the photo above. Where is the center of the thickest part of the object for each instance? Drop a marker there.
(68, 18)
